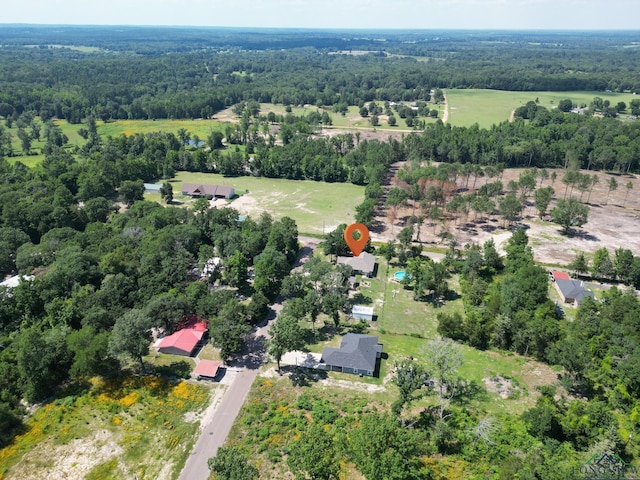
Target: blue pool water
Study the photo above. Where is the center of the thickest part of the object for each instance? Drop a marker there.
(400, 276)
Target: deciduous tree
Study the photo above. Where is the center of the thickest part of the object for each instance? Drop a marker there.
(229, 328)
(410, 377)
(570, 213)
(314, 454)
(286, 336)
(131, 336)
(231, 463)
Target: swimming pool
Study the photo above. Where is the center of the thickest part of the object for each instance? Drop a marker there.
(400, 276)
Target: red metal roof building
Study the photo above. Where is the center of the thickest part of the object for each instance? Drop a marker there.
(206, 369)
(185, 341)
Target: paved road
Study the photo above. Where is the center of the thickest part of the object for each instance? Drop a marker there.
(215, 434)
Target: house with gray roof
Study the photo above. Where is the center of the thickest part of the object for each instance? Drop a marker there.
(364, 264)
(358, 354)
(572, 291)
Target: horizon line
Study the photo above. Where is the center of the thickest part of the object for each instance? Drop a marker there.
(341, 29)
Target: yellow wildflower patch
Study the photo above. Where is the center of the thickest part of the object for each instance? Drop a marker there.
(129, 399)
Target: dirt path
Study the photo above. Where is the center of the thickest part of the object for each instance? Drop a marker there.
(445, 115)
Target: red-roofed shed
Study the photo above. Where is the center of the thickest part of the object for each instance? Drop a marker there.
(556, 275)
(207, 369)
(185, 341)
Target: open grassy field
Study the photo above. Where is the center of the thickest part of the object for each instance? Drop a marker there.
(131, 427)
(317, 207)
(200, 127)
(351, 119)
(488, 107)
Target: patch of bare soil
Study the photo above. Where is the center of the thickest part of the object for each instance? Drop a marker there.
(326, 382)
(71, 461)
(500, 386)
(614, 222)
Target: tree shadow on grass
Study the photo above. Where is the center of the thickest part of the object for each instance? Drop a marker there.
(179, 369)
(361, 299)
(361, 326)
(322, 334)
(302, 377)
(468, 392)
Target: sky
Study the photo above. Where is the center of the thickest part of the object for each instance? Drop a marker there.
(340, 14)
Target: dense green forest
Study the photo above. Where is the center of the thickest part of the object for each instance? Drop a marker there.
(130, 73)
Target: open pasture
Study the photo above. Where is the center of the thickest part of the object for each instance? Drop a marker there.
(317, 207)
(200, 127)
(489, 107)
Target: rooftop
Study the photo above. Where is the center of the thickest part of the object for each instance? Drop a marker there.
(365, 262)
(207, 368)
(356, 351)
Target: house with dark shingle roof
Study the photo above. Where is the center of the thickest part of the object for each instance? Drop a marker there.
(364, 264)
(358, 354)
(572, 291)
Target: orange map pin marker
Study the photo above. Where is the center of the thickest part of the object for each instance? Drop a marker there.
(356, 245)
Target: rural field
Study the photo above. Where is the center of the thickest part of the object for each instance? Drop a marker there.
(200, 127)
(146, 427)
(464, 107)
(489, 107)
(501, 382)
(317, 207)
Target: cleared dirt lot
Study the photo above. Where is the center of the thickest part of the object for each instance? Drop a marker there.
(612, 224)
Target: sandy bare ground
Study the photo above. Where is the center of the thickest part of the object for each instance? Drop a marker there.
(74, 460)
(613, 223)
(325, 382)
(445, 115)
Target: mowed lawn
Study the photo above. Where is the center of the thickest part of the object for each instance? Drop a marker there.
(489, 107)
(317, 207)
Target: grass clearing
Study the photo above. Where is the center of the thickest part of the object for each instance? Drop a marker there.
(109, 429)
(489, 107)
(317, 207)
(200, 127)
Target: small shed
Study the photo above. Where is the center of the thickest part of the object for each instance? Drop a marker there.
(152, 188)
(207, 370)
(362, 312)
(557, 275)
